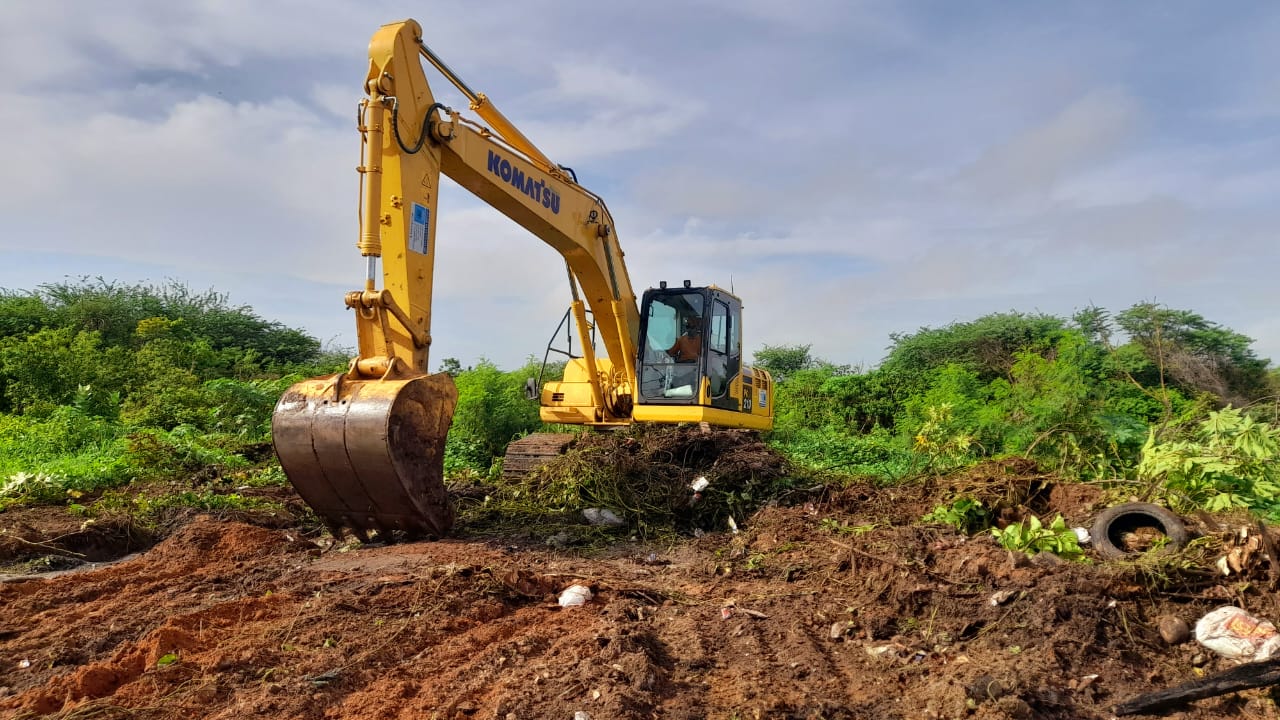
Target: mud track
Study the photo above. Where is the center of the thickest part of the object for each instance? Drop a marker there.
(839, 609)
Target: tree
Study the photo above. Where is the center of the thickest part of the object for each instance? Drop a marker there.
(1183, 348)
(114, 311)
(110, 309)
(988, 346)
(44, 369)
(1095, 324)
(451, 366)
(784, 360)
(492, 411)
(22, 314)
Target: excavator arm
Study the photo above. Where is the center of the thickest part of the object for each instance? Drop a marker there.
(365, 448)
(421, 139)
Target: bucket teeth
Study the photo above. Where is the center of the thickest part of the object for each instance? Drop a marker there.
(368, 455)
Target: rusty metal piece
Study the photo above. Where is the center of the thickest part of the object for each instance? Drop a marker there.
(369, 454)
(532, 452)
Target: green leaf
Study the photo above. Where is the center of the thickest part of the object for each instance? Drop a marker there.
(169, 659)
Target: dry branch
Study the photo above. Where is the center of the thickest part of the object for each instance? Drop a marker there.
(1244, 677)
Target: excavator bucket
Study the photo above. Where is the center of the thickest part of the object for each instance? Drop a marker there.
(369, 454)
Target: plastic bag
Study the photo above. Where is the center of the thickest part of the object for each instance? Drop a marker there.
(1237, 635)
(575, 595)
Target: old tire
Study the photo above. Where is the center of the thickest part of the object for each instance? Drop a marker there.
(1110, 527)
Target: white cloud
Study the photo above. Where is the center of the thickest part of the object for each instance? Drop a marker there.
(602, 111)
(864, 20)
(202, 183)
(338, 99)
(853, 169)
(1088, 131)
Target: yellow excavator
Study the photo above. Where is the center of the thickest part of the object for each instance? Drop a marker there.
(365, 448)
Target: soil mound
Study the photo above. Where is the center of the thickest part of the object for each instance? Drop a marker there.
(206, 540)
(836, 607)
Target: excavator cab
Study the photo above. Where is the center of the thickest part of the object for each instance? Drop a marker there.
(675, 353)
(690, 367)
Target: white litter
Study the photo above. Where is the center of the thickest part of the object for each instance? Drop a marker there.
(1237, 635)
(603, 516)
(1000, 597)
(575, 595)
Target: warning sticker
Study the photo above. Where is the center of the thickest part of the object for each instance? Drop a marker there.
(418, 225)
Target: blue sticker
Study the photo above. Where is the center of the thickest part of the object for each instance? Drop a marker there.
(418, 228)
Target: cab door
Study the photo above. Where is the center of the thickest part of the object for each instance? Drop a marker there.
(723, 351)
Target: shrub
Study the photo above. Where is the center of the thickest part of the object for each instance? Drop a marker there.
(154, 453)
(1229, 462)
(492, 411)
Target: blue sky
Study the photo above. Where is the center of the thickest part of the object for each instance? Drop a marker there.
(853, 169)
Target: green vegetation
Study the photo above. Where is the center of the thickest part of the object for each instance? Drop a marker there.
(1031, 536)
(492, 411)
(102, 384)
(1162, 401)
(1228, 461)
(964, 514)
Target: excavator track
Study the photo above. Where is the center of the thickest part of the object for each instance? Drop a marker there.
(532, 452)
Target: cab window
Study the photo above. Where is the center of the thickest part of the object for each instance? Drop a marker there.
(670, 360)
(720, 328)
(718, 342)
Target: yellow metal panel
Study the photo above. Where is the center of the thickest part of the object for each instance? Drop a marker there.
(762, 394)
(577, 370)
(567, 415)
(406, 180)
(567, 393)
(694, 414)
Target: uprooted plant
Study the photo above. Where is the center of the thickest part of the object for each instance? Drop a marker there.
(965, 514)
(1032, 536)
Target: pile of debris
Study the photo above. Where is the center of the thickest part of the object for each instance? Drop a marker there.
(650, 479)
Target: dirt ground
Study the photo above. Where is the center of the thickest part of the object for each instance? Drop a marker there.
(842, 607)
